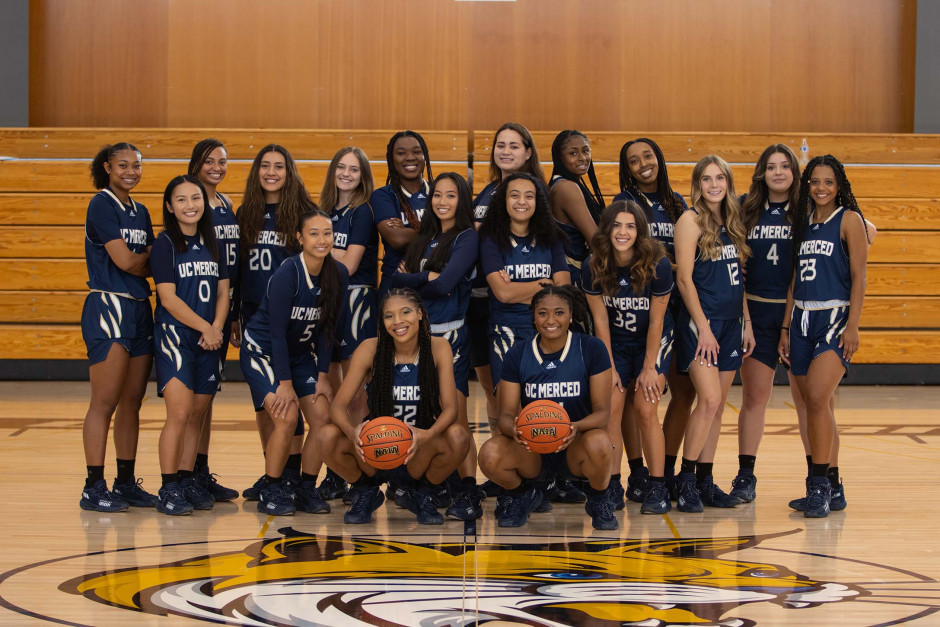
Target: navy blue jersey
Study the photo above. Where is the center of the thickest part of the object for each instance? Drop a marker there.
(448, 296)
(563, 377)
(523, 262)
(264, 257)
(406, 394)
(109, 219)
(287, 326)
(824, 273)
(481, 204)
(628, 312)
(194, 273)
(576, 245)
(356, 227)
(226, 235)
(386, 206)
(718, 282)
(661, 225)
(770, 267)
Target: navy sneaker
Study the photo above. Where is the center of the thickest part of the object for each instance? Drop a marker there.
(365, 500)
(421, 504)
(601, 511)
(195, 495)
(466, 505)
(333, 486)
(615, 493)
(398, 494)
(657, 499)
(492, 488)
(567, 492)
(254, 492)
(134, 494)
(308, 499)
(172, 502)
(276, 499)
(672, 487)
(836, 502)
(97, 498)
(744, 487)
(442, 496)
(208, 482)
(713, 496)
(818, 495)
(638, 484)
(689, 500)
(515, 508)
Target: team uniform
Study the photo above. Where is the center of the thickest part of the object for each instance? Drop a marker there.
(285, 340)
(720, 288)
(117, 309)
(563, 377)
(196, 276)
(821, 294)
(447, 298)
(264, 257)
(355, 226)
(227, 236)
(576, 249)
(478, 313)
(525, 261)
(769, 270)
(628, 316)
(386, 206)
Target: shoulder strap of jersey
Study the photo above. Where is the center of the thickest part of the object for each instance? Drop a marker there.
(118, 202)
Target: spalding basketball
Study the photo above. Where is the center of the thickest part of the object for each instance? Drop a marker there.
(385, 442)
(543, 425)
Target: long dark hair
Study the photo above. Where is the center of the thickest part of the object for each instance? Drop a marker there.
(294, 201)
(99, 176)
(542, 226)
(595, 200)
(381, 401)
(431, 228)
(667, 198)
(805, 205)
(171, 224)
(201, 152)
(532, 166)
(393, 179)
(331, 296)
(758, 194)
(647, 250)
(580, 314)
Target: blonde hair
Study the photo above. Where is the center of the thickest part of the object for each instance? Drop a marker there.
(709, 243)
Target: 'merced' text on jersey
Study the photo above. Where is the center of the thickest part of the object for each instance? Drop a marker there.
(134, 236)
(817, 247)
(529, 271)
(554, 389)
(770, 231)
(198, 268)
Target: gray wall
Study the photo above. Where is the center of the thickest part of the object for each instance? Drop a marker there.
(927, 75)
(14, 62)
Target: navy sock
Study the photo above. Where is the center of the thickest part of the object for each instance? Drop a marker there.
(703, 470)
(186, 474)
(169, 478)
(809, 465)
(125, 470)
(688, 465)
(670, 465)
(833, 474)
(293, 462)
(306, 478)
(94, 474)
(635, 464)
(615, 478)
(818, 470)
(273, 480)
(202, 460)
(747, 462)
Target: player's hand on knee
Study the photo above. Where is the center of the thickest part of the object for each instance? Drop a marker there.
(418, 437)
(568, 438)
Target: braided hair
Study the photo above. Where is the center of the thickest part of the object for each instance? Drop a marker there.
(595, 200)
(806, 205)
(431, 228)
(542, 226)
(201, 152)
(667, 197)
(580, 314)
(393, 180)
(381, 400)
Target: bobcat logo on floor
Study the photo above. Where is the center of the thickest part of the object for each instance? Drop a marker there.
(327, 580)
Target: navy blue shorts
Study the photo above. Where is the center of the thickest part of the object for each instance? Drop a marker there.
(727, 332)
(459, 341)
(502, 339)
(178, 356)
(766, 320)
(259, 375)
(360, 323)
(108, 319)
(814, 332)
(555, 466)
(628, 360)
(478, 319)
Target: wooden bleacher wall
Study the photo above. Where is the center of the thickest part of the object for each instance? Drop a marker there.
(45, 188)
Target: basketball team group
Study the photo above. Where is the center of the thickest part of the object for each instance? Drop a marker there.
(577, 314)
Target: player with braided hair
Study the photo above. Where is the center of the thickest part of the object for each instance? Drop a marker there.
(399, 205)
(824, 306)
(412, 378)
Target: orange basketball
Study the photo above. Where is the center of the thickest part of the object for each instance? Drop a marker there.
(543, 425)
(385, 442)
